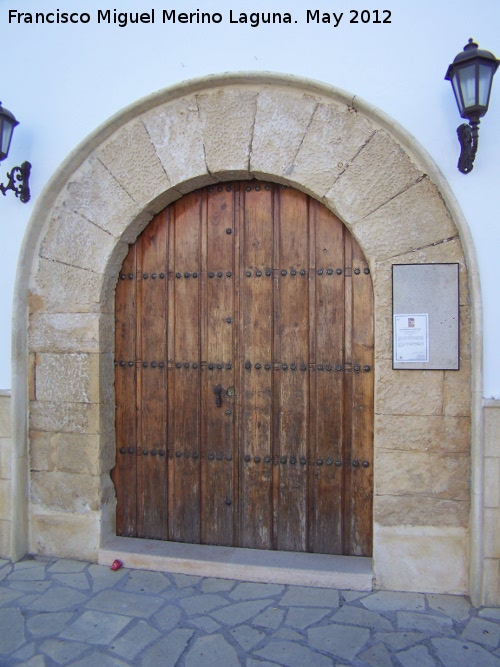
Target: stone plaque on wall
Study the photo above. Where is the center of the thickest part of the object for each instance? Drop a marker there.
(426, 324)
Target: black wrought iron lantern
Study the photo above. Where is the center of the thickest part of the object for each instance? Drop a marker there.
(471, 76)
(7, 125)
(18, 176)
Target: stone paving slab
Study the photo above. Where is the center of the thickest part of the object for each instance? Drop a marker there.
(56, 612)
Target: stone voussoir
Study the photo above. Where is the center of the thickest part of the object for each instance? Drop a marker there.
(68, 289)
(74, 240)
(380, 171)
(335, 135)
(281, 123)
(137, 169)
(176, 132)
(227, 119)
(95, 194)
(415, 218)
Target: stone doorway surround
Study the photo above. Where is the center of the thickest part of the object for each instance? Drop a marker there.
(361, 165)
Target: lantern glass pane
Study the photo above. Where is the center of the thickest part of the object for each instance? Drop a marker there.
(467, 80)
(485, 77)
(6, 127)
(458, 94)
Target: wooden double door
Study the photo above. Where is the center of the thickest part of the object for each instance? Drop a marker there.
(244, 381)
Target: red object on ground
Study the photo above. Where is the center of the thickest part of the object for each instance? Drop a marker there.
(117, 564)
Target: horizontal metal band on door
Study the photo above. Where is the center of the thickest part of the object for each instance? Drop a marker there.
(276, 366)
(274, 460)
(255, 273)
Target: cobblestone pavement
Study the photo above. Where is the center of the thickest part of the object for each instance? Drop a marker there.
(65, 612)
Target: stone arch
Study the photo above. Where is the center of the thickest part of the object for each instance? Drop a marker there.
(341, 151)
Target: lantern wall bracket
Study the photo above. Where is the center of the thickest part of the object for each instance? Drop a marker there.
(468, 136)
(18, 182)
(471, 76)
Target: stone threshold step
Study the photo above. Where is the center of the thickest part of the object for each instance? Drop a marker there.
(277, 567)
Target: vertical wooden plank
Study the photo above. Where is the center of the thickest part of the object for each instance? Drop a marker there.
(347, 399)
(174, 532)
(185, 360)
(362, 333)
(218, 314)
(327, 336)
(256, 364)
(151, 466)
(292, 350)
(124, 472)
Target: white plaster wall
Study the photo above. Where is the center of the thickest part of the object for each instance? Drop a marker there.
(72, 78)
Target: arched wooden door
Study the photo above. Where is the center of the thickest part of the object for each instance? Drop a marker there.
(244, 384)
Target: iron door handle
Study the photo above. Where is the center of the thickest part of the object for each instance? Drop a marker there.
(218, 391)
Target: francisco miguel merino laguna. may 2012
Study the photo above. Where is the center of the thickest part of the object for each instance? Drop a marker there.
(253, 19)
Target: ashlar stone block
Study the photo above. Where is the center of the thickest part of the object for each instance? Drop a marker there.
(421, 559)
(415, 218)
(69, 377)
(421, 511)
(452, 477)
(281, 123)
(70, 453)
(74, 240)
(67, 417)
(63, 288)
(425, 474)
(177, 136)
(227, 118)
(41, 451)
(137, 169)
(94, 193)
(71, 332)
(377, 173)
(66, 492)
(334, 137)
(405, 392)
(65, 535)
(423, 433)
